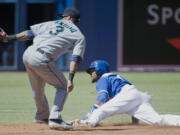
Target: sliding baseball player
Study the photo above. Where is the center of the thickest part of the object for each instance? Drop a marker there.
(116, 96)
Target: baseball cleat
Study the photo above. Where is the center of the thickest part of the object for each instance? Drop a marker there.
(43, 121)
(59, 124)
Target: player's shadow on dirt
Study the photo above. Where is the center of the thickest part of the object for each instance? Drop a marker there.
(118, 125)
(101, 129)
(105, 127)
(108, 127)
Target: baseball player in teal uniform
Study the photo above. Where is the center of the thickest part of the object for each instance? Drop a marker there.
(116, 95)
(50, 40)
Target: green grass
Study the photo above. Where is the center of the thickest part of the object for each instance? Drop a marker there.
(17, 104)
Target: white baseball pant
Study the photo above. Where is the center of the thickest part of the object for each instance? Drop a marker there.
(135, 103)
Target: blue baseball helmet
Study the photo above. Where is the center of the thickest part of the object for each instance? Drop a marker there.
(99, 67)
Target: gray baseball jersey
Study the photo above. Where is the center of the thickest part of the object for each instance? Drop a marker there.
(58, 37)
(51, 39)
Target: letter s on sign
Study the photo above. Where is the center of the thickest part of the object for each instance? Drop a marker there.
(155, 16)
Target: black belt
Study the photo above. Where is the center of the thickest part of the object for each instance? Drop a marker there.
(43, 52)
(40, 50)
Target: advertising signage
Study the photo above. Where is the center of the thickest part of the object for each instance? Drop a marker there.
(151, 32)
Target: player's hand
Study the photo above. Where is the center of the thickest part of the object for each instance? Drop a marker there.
(87, 116)
(80, 123)
(70, 86)
(3, 36)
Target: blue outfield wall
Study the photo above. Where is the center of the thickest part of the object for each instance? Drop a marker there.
(99, 24)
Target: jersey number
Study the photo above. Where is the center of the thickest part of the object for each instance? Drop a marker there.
(58, 30)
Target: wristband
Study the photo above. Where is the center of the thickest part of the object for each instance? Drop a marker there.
(71, 76)
(12, 38)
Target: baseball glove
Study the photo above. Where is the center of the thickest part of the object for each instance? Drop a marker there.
(80, 123)
(2, 35)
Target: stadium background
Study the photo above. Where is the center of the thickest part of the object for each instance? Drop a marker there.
(136, 35)
(132, 35)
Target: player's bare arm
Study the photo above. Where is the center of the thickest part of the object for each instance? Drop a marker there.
(73, 69)
(73, 66)
(98, 103)
(23, 36)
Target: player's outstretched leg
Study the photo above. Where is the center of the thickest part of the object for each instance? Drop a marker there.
(147, 114)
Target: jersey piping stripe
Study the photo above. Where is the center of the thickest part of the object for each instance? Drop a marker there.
(103, 91)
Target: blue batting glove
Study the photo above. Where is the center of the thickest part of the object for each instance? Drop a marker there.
(85, 117)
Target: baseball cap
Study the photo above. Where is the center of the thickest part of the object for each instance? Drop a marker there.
(72, 12)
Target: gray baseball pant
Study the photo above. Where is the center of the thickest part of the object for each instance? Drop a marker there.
(39, 74)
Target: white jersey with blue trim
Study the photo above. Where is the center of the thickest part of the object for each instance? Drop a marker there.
(55, 38)
(108, 85)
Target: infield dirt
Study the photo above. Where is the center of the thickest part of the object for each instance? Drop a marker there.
(102, 129)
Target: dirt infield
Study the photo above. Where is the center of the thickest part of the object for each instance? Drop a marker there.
(103, 129)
